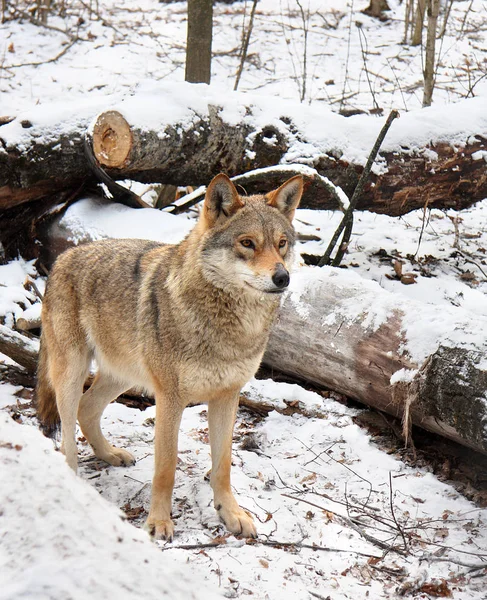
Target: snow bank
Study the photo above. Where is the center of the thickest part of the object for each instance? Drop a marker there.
(61, 539)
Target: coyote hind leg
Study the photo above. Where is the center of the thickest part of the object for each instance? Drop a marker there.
(68, 375)
(103, 390)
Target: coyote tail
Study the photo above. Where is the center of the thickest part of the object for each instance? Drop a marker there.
(45, 397)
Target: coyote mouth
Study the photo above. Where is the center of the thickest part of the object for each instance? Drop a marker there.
(276, 291)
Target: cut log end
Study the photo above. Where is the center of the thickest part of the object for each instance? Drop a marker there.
(112, 139)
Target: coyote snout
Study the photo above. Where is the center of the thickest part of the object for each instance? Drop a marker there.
(191, 326)
(281, 277)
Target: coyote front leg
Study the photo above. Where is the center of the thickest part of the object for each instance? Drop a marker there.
(221, 420)
(168, 419)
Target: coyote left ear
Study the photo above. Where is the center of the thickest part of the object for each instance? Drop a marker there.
(221, 199)
(286, 198)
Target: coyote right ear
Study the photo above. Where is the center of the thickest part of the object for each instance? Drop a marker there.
(221, 199)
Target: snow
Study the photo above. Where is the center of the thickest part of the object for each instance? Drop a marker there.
(119, 49)
(91, 219)
(12, 290)
(66, 541)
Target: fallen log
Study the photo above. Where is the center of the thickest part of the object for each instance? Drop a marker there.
(422, 363)
(185, 134)
(20, 348)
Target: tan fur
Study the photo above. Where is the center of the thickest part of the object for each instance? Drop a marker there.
(187, 322)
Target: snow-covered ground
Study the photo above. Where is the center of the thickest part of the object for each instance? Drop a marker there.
(337, 517)
(352, 60)
(328, 503)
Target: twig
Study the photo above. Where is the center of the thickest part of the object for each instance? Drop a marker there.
(119, 193)
(343, 465)
(469, 260)
(461, 563)
(465, 20)
(31, 284)
(373, 540)
(391, 504)
(423, 226)
(445, 20)
(345, 79)
(346, 224)
(50, 60)
(245, 47)
(305, 20)
(270, 544)
(364, 58)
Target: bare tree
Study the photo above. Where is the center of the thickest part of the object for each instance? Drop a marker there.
(245, 45)
(433, 8)
(198, 45)
(418, 25)
(376, 9)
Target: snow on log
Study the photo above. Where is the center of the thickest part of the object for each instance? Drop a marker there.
(416, 361)
(186, 133)
(18, 347)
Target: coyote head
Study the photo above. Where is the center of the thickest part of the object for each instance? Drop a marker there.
(248, 241)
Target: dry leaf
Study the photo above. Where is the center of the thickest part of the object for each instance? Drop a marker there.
(309, 478)
(438, 590)
(408, 278)
(397, 265)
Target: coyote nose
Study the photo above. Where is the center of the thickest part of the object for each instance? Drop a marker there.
(281, 277)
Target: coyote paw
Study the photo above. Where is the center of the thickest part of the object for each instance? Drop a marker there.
(238, 521)
(160, 529)
(117, 457)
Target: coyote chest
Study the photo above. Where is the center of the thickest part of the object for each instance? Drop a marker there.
(222, 349)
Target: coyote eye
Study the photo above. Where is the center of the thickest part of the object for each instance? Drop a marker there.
(282, 243)
(246, 243)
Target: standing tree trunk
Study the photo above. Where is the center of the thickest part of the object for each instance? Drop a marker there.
(198, 44)
(376, 8)
(429, 65)
(418, 25)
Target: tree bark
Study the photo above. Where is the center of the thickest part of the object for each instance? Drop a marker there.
(352, 336)
(429, 62)
(19, 348)
(376, 9)
(418, 24)
(198, 43)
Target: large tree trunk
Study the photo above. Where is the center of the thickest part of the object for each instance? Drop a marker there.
(412, 360)
(429, 61)
(186, 134)
(198, 42)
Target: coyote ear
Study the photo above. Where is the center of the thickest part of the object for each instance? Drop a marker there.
(286, 198)
(221, 199)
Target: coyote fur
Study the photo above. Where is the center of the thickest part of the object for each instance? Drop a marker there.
(186, 322)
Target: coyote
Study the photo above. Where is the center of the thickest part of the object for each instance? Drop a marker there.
(186, 322)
